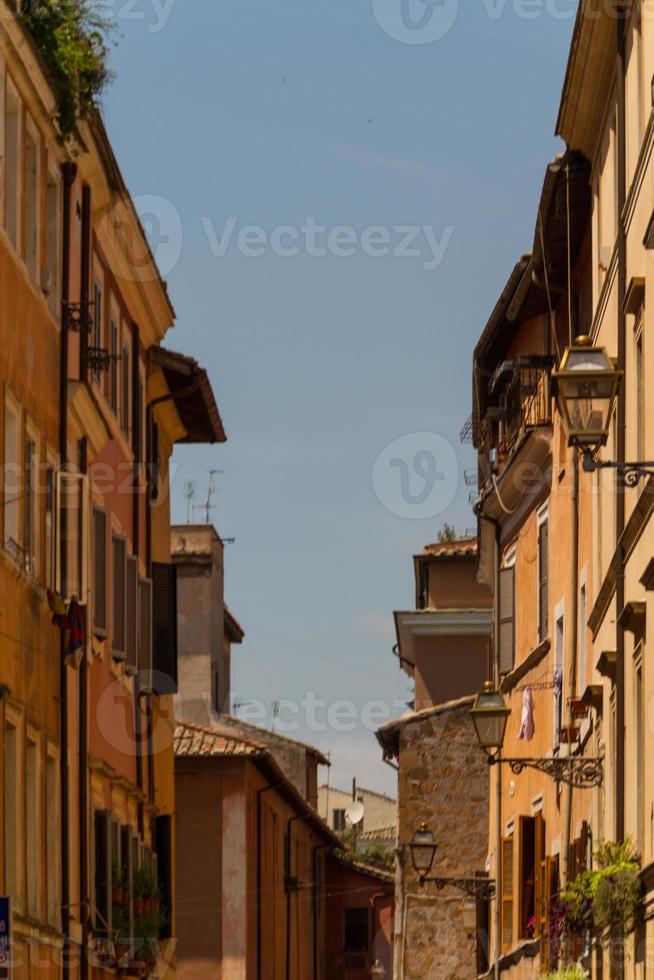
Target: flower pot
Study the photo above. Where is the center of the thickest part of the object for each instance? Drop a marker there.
(139, 907)
(118, 895)
(578, 708)
(569, 735)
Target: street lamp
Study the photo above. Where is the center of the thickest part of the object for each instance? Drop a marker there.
(586, 387)
(423, 850)
(469, 916)
(490, 714)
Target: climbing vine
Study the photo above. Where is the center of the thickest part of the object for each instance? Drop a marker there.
(74, 39)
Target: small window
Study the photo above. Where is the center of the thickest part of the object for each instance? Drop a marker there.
(356, 930)
(125, 399)
(12, 480)
(51, 841)
(50, 282)
(559, 679)
(11, 827)
(49, 555)
(32, 828)
(72, 535)
(543, 575)
(97, 323)
(99, 571)
(31, 203)
(30, 505)
(119, 557)
(113, 368)
(131, 604)
(12, 158)
(338, 820)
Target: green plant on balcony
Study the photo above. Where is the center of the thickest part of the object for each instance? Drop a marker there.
(608, 897)
(150, 917)
(73, 38)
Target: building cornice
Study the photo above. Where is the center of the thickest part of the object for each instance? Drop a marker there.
(447, 622)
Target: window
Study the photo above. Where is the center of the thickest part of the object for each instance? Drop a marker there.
(356, 930)
(11, 797)
(543, 574)
(125, 399)
(532, 855)
(507, 620)
(50, 281)
(31, 202)
(119, 557)
(559, 679)
(102, 867)
(113, 383)
(12, 481)
(99, 571)
(49, 555)
(97, 323)
(338, 820)
(164, 868)
(640, 388)
(145, 631)
(12, 157)
(32, 829)
(583, 626)
(51, 840)
(507, 892)
(72, 535)
(639, 748)
(30, 505)
(164, 627)
(131, 619)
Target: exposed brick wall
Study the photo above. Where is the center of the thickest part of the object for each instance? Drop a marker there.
(443, 781)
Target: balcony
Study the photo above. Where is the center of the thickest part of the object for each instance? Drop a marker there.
(518, 402)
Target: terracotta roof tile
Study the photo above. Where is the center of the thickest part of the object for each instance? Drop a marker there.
(460, 548)
(197, 740)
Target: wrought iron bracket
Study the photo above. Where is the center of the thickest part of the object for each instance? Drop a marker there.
(474, 887)
(579, 771)
(99, 359)
(630, 473)
(77, 315)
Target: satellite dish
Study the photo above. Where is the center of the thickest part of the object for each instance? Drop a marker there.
(354, 813)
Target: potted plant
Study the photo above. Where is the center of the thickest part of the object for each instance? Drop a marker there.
(608, 897)
(149, 921)
(118, 891)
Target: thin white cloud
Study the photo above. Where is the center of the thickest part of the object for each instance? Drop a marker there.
(368, 158)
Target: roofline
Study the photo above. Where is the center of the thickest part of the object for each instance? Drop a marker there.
(502, 305)
(349, 861)
(569, 69)
(385, 733)
(265, 761)
(311, 749)
(164, 357)
(361, 789)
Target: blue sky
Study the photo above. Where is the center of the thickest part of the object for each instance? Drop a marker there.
(272, 113)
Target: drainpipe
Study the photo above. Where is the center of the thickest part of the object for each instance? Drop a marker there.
(69, 171)
(83, 783)
(621, 434)
(287, 974)
(85, 320)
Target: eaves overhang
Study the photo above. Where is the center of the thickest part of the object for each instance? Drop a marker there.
(411, 625)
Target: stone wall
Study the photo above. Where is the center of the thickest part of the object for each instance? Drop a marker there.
(443, 781)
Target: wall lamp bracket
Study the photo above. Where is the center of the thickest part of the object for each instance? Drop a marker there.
(630, 473)
(480, 888)
(581, 772)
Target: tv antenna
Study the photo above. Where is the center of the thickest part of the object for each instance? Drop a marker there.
(207, 506)
(189, 490)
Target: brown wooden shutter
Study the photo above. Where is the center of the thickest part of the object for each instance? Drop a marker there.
(145, 632)
(119, 557)
(126, 851)
(131, 601)
(543, 580)
(103, 896)
(163, 855)
(507, 893)
(539, 865)
(164, 628)
(507, 620)
(100, 571)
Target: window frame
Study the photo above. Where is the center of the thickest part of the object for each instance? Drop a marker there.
(118, 652)
(542, 614)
